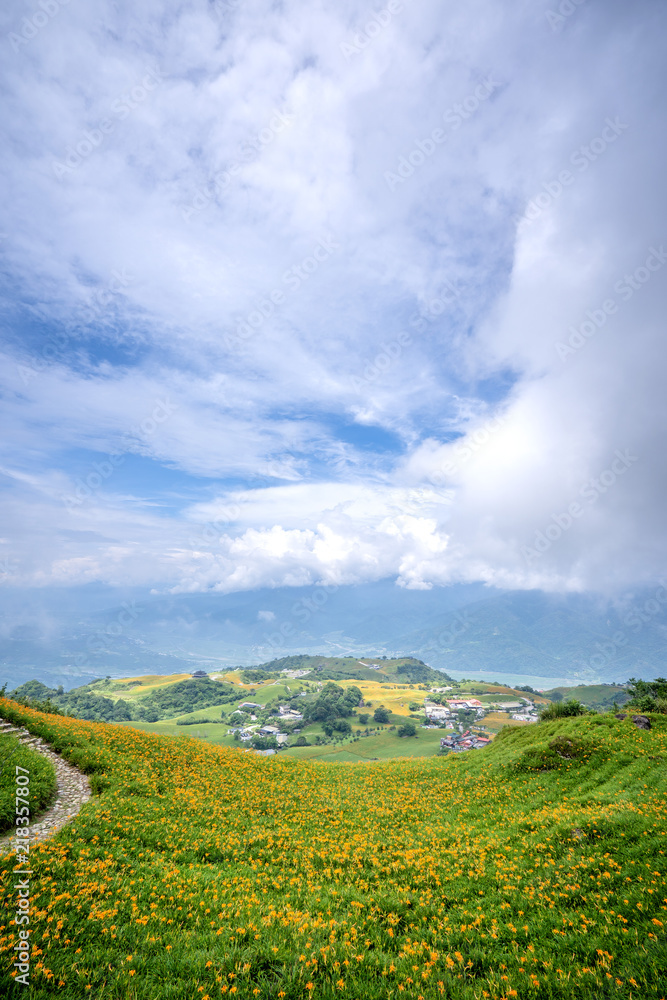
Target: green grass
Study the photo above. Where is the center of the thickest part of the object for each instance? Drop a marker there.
(212, 733)
(383, 746)
(536, 867)
(599, 696)
(42, 780)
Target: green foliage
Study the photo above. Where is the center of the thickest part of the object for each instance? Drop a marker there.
(332, 703)
(340, 726)
(648, 696)
(414, 671)
(256, 676)
(201, 720)
(598, 696)
(297, 662)
(187, 696)
(363, 718)
(466, 715)
(407, 729)
(382, 715)
(85, 703)
(562, 710)
(415, 706)
(264, 743)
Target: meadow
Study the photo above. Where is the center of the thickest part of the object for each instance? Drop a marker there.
(43, 782)
(532, 868)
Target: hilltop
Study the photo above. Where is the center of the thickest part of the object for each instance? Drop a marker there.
(534, 867)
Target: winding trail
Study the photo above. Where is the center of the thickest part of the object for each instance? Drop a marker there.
(73, 790)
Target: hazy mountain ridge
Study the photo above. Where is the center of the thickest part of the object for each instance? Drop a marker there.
(463, 630)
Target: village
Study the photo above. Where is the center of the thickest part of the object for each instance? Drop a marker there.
(461, 716)
(450, 715)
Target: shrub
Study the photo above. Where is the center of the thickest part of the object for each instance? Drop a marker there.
(381, 715)
(648, 696)
(264, 743)
(564, 709)
(407, 729)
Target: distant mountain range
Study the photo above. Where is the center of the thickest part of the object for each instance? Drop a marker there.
(531, 637)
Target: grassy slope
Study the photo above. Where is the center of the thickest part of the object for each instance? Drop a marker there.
(42, 781)
(594, 695)
(535, 867)
(384, 746)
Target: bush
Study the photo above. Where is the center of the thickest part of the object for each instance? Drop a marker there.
(333, 702)
(407, 729)
(381, 715)
(648, 696)
(264, 743)
(561, 710)
(202, 722)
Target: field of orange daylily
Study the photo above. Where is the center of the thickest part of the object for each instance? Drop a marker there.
(533, 868)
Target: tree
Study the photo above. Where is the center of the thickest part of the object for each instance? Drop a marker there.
(264, 743)
(121, 712)
(381, 715)
(556, 696)
(648, 696)
(333, 702)
(407, 729)
(466, 715)
(414, 706)
(363, 718)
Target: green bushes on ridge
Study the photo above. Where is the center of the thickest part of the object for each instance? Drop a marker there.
(563, 710)
(648, 696)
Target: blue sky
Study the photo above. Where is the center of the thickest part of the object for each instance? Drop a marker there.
(339, 292)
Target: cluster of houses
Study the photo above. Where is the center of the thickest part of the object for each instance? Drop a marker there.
(442, 713)
(459, 742)
(439, 715)
(286, 714)
(522, 711)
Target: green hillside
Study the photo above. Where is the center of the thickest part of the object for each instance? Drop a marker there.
(535, 867)
(404, 669)
(601, 697)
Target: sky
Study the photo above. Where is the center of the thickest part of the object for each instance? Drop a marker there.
(338, 292)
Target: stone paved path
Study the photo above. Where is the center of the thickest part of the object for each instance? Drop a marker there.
(73, 791)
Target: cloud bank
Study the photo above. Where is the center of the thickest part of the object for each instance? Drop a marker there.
(326, 292)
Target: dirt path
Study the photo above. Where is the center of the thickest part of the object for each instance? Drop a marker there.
(73, 791)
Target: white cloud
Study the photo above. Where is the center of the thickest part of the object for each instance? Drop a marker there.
(480, 299)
